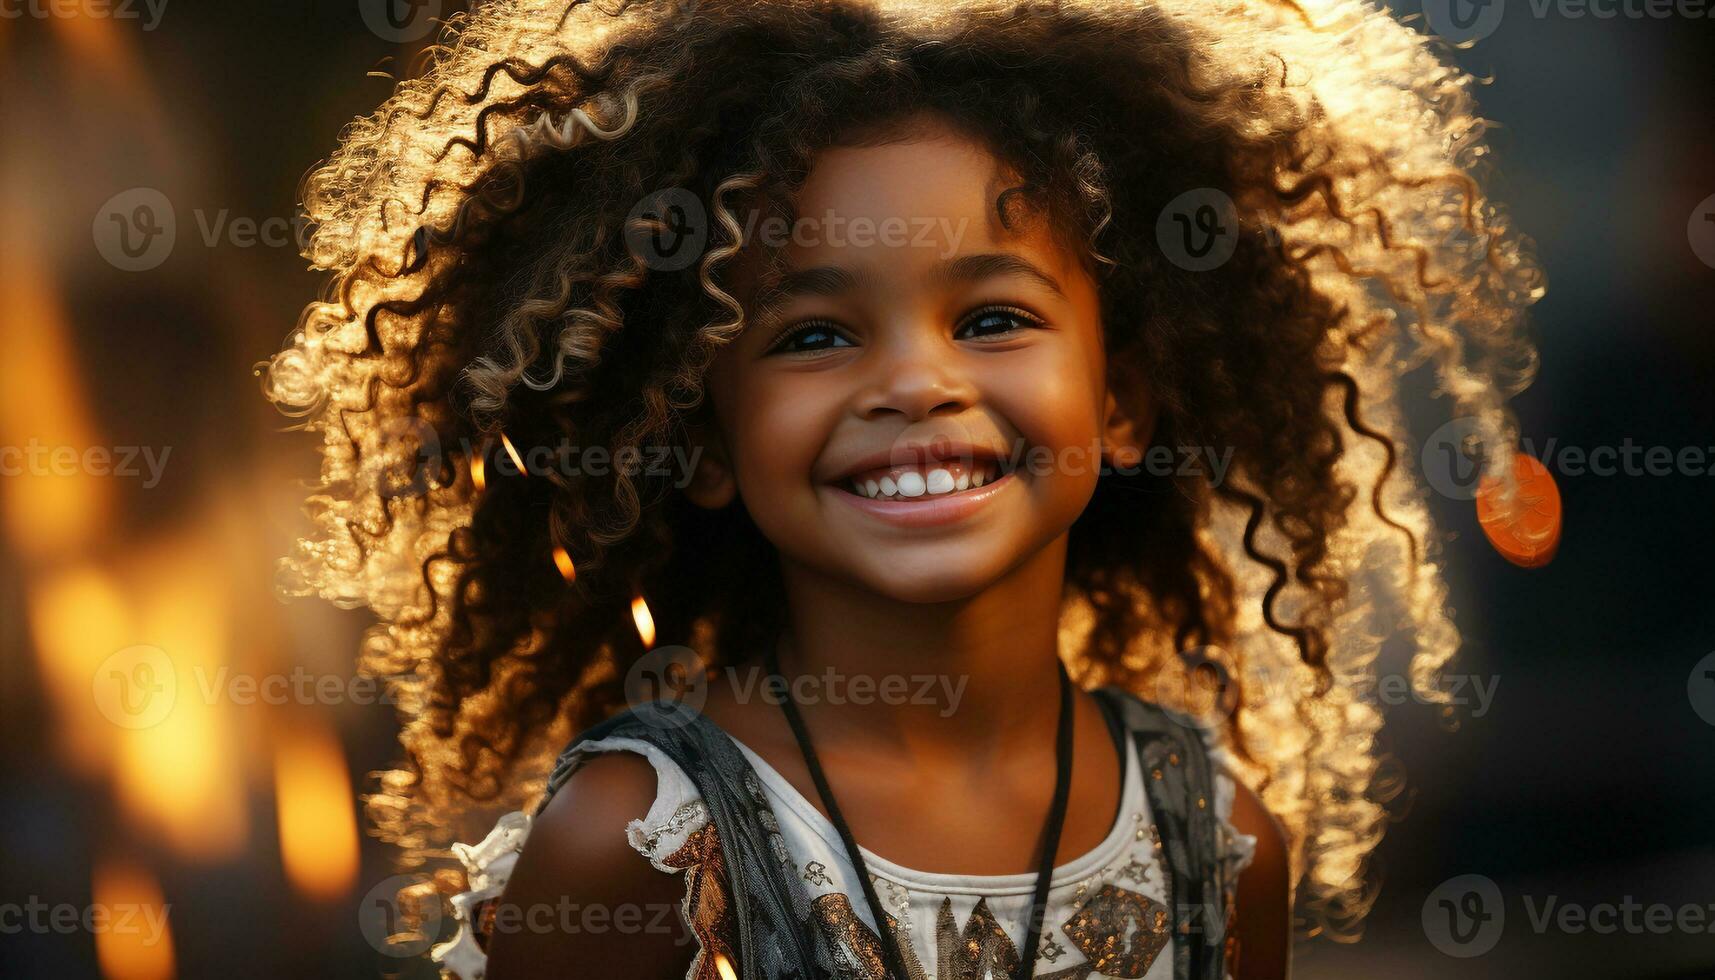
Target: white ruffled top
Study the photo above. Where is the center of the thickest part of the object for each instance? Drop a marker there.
(1107, 908)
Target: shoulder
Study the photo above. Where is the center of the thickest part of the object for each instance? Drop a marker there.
(1263, 897)
(580, 859)
(586, 822)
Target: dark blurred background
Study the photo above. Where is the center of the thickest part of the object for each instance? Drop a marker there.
(1586, 783)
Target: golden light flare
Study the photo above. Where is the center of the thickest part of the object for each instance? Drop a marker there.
(134, 940)
(317, 815)
(178, 773)
(512, 451)
(50, 508)
(78, 618)
(1526, 528)
(645, 621)
(478, 478)
(563, 561)
(724, 966)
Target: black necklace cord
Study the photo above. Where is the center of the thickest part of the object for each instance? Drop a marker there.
(895, 960)
(1056, 821)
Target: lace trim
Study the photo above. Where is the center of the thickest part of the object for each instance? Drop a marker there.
(675, 836)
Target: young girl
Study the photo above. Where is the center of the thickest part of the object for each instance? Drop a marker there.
(986, 412)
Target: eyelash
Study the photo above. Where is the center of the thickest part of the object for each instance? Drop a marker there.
(777, 344)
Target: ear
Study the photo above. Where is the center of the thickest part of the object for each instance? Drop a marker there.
(1126, 438)
(712, 484)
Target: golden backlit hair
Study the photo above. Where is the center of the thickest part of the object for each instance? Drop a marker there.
(473, 227)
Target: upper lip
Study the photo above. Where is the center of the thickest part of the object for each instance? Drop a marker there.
(916, 453)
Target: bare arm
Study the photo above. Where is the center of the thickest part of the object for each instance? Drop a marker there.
(581, 902)
(1263, 904)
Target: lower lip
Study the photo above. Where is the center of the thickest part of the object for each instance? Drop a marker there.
(928, 510)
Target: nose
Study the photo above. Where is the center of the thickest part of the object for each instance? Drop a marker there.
(917, 377)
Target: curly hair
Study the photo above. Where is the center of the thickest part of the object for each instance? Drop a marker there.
(483, 297)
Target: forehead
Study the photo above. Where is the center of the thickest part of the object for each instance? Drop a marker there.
(922, 198)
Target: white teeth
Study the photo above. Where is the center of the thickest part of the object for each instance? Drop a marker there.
(909, 483)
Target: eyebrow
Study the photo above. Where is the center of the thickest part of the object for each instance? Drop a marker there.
(831, 280)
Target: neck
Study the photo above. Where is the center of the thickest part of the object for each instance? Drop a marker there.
(941, 678)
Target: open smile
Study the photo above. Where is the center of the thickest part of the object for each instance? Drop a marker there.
(923, 494)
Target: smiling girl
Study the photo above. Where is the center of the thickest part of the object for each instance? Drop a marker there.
(928, 294)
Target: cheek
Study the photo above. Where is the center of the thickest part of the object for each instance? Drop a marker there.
(1053, 400)
(775, 429)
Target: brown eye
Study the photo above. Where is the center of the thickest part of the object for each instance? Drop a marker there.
(997, 321)
(816, 335)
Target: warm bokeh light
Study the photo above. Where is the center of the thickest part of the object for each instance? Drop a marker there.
(181, 775)
(512, 451)
(318, 821)
(563, 561)
(645, 621)
(48, 510)
(78, 618)
(724, 965)
(137, 941)
(1526, 528)
(478, 475)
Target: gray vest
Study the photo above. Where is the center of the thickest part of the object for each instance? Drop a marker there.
(776, 939)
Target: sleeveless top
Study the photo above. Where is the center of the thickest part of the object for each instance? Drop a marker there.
(1110, 910)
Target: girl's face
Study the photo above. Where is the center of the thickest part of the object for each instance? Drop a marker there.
(920, 405)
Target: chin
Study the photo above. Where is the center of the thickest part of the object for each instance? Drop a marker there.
(927, 583)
